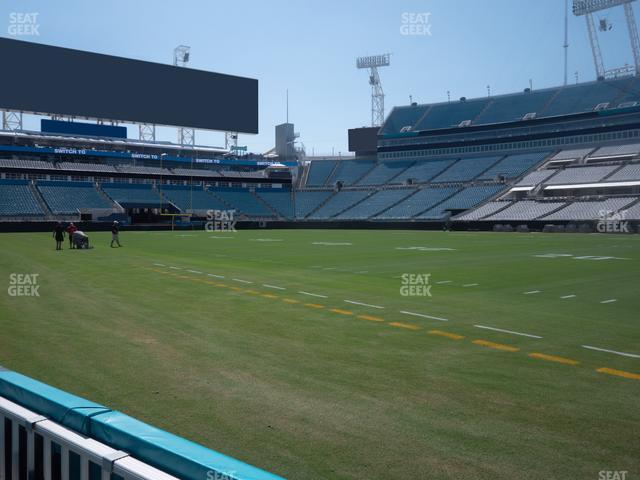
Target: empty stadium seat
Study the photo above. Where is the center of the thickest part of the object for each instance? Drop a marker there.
(339, 202)
(574, 175)
(417, 203)
(422, 171)
(514, 165)
(376, 203)
(465, 169)
(447, 115)
(244, 202)
(385, 172)
(319, 172)
(133, 195)
(513, 107)
(349, 171)
(590, 210)
(626, 173)
(278, 199)
(308, 201)
(463, 200)
(184, 197)
(483, 211)
(526, 210)
(402, 117)
(17, 199)
(71, 197)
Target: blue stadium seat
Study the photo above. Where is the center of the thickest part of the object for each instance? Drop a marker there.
(17, 199)
(447, 115)
(183, 198)
(376, 203)
(384, 172)
(423, 171)
(514, 165)
(308, 201)
(244, 202)
(415, 204)
(71, 197)
(510, 108)
(463, 200)
(349, 171)
(339, 202)
(278, 199)
(133, 195)
(466, 169)
(319, 171)
(401, 117)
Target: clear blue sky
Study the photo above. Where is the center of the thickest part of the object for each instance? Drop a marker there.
(310, 48)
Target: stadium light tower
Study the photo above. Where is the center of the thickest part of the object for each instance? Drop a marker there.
(181, 55)
(586, 8)
(372, 63)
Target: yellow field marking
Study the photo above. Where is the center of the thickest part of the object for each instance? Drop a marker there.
(370, 318)
(341, 312)
(496, 346)
(440, 333)
(553, 358)
(236, 289)
(408, 326)
(290, 300)
(252, 292)
(313, 305)
(619, 373)
(269, 295)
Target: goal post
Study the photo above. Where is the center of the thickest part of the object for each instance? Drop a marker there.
(174, 216)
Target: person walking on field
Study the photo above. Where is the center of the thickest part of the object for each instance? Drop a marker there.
(115, 231)
(71, 229)
(58, 234)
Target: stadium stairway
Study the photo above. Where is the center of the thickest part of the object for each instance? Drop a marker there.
(398, 202)
(48, 214)
(268, 206)
(321, 204)
(107, 198)
(549, 102)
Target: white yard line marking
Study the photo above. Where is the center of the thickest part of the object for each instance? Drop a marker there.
(609, 301)
(159, 264)
(266, 285)
(507, 331)
(176, 268)
(532, 292)
(363, 304)
(567, 296)
(240, 280)
(424, 316)
(312, 294)
(194, 271)
(215, 276)
(442, 282)
(632, 355)
(471, 285)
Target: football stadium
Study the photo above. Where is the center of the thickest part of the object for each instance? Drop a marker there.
(452, 298)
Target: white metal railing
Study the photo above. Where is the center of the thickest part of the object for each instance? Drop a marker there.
(90, 451)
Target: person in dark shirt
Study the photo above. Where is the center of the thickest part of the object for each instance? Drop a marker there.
(58, 234)
(115, 231)
(71, 229)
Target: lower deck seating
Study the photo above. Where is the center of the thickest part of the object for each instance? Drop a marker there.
(339, 202)
(526, 210)
(483, 211)
(376, 203)
(71, 197)
(418, 203)
(463, 200)
(307, 201)
(591, 210)
(141, 195)
(279, 200)
(466, 169)
(244, 202)
(17, 199)
(186, 199)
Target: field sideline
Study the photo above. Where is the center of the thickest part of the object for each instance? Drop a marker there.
(296, 352)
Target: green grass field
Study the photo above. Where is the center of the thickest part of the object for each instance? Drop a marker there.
(313, 387)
